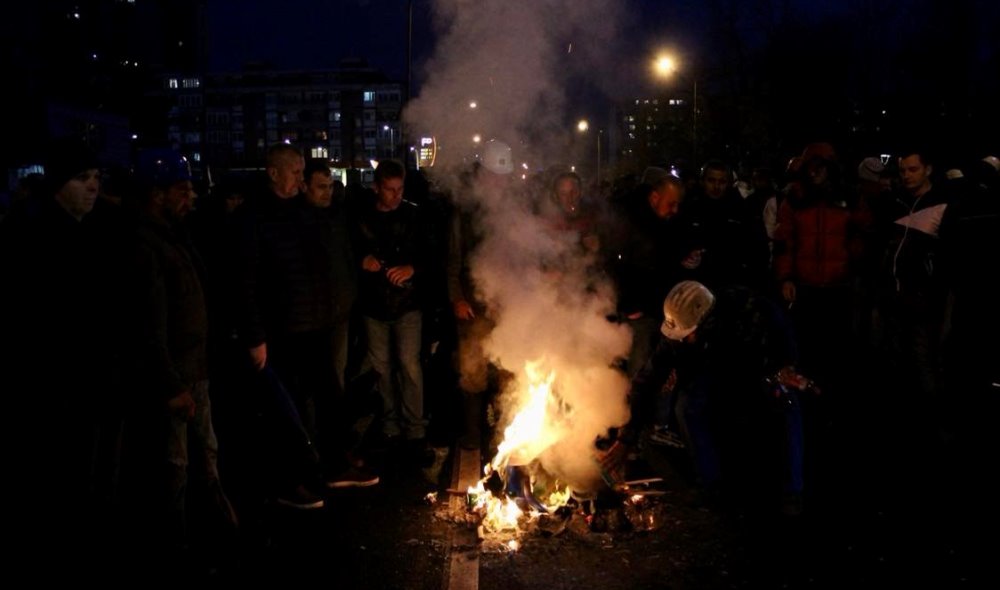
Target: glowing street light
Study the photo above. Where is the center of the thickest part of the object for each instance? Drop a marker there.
(583, 126)
(473, 104)
(664, 67)
(392, 139)
(477, 138)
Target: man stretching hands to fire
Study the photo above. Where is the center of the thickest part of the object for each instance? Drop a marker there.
(720, 350)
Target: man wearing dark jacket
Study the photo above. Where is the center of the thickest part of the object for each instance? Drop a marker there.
(918, 285)
(59, 356)
(285, 315)
(173, 420)
(716, 351)
(391, 246)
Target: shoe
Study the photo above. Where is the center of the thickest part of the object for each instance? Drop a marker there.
(661, 435)
(353, 477)
(791, 505)
(470, 441)
(418, 452)
(301, 498)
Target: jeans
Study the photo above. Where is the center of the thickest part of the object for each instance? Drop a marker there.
(397, 342)
(698, 410)
(191, 442)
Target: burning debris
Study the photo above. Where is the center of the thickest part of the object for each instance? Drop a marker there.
(518, 496)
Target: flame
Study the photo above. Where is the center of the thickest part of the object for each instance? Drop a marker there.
(532, 430)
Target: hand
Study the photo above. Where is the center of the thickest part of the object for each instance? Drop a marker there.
(788, 292)
(693, 259)
(789, 377)
(182, 405)
(398, 275)
(612, 463)
(258, 356)
(463, 311)
(371, 264)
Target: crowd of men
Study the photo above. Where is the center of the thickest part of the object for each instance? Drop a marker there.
(129, 308)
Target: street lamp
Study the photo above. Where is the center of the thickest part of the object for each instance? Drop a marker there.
(664, 67)
(583, 126)
(392, 139)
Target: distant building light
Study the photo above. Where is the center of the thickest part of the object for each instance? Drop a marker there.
(172, 83)
(196, 156)
(369, 96)
(93, 56)
(135, 136)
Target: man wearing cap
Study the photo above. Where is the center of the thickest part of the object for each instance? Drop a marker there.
(172, 425)
(59, 345)
(716, 351)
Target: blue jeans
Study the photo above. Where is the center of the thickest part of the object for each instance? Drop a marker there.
(187, 439)
(698, 419)
(693, 408)
(397, 342)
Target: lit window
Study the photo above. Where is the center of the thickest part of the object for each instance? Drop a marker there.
(318, 152)
(369, 96)
(172, 83)
(191, 83)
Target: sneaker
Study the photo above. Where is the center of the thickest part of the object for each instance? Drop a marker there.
(791, 505)
(300, 498)
(470, 440)
(418, 452)
(353, 477)
(661, 435)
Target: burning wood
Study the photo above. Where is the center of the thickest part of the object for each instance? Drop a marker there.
(517, 494)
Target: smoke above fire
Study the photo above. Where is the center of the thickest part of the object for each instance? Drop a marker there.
(503, 70)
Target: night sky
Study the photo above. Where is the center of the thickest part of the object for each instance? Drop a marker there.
(854, 35)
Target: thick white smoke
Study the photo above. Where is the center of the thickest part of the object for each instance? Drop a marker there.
(515, 60)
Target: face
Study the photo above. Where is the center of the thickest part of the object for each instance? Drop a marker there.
(666, 200)
(817, 172)
(914, 174)
(179, 199)
(233, 202)
(286, 176)
(714, 183)
(389, 193)
(568, 194)
(319, 190)
(79, 193)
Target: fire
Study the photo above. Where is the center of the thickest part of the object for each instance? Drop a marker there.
(529, 433)
(533, 429)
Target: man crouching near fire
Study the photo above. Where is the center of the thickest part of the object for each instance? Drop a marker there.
(717, 353)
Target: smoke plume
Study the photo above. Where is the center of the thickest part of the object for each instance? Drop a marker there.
(515, 60)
